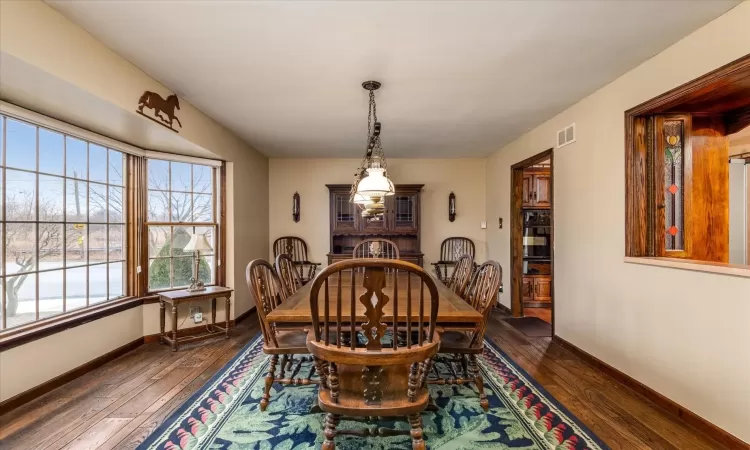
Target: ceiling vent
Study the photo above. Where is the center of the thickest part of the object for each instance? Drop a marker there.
(566, 136)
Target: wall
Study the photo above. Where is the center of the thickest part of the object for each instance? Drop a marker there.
(62, 50)
(679, 332)
(465, 177)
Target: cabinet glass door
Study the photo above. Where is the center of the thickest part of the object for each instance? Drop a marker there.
(404, 212)
(344, 213)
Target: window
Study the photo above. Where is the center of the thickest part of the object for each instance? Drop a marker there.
(63, 223)
(181, 202)
(687, 178)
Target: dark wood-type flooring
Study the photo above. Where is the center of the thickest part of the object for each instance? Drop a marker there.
(120, 403)
(543, 313)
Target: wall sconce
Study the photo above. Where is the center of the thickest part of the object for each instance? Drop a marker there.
(295, 207)
(452, 207)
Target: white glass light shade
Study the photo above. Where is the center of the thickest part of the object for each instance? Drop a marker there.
(375, 184)
(197, 242)
(361, 199)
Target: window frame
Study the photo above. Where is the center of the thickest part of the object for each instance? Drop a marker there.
(217, 183)
(642, 244)
(134, 203)
(63, 222)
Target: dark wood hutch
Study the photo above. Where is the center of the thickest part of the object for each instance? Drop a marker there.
(400, 223)
(536, 289)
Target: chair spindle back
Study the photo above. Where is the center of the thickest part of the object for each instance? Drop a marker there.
(341, 296)
(453, 247)
(461, 274)
(290, 278)
(482, 294)
(265, 287)
(376, 248)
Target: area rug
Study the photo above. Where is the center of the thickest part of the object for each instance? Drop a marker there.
(224, 414)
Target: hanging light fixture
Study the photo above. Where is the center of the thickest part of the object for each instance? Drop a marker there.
(371, 183)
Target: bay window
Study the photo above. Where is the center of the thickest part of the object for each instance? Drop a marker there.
(86, 220)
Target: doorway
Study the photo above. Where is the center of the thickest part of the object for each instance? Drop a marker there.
(532, 246)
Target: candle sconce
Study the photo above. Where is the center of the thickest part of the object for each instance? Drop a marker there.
(295, 207)
(452, 207)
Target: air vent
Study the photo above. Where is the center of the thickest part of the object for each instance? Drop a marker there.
(566, 136)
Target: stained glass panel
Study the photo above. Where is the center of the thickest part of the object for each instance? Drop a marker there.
(673, 184)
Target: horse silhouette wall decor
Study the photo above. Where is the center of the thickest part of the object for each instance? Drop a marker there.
(163, 109)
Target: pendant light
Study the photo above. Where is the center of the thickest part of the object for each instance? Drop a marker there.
(371, 183)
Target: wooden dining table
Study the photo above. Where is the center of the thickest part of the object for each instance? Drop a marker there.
(453, 311)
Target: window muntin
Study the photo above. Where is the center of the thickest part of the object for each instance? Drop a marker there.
(180, 202)
(62, 224)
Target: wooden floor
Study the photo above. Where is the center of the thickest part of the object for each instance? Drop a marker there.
(543, 313)
(120, 403)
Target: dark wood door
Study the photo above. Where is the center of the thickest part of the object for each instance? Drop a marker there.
(528, 190)
(527, 289)
(543, 289)
(542, 198)
(343, 213)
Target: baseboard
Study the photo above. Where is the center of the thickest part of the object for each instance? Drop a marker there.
(244, 315)
(37, 391)
(504, 309)
(671, 406)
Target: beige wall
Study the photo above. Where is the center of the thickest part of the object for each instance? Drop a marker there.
(62, 50)
(465, 177)
(684, 334)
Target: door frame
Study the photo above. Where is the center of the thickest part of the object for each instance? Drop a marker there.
(516, 231)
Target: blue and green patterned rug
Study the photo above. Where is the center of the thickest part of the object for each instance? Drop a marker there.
(224, 414)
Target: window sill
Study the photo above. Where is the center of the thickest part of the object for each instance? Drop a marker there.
(23, 334)
(734, 270)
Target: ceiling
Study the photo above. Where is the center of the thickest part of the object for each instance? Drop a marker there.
(459, 79)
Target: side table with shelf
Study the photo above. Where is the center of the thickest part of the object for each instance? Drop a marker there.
(174, 298)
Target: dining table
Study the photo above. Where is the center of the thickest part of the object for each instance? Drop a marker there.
(453, 311)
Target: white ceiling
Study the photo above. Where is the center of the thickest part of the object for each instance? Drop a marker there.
(459, 78)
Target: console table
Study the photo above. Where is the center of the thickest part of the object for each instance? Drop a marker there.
(176, 297)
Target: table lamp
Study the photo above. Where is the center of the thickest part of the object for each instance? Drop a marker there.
(197, 243)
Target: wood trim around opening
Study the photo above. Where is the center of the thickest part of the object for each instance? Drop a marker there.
(689, 417)
(516, 231)
(638, 208)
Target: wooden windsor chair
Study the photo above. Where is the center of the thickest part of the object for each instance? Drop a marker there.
(450, 251)
(288, 275)
(265, 287)
(461, 274)
(296, 249)
(376, 248)
(465, 346)
(368, 376)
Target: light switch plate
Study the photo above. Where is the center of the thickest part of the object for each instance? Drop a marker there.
(483, 225)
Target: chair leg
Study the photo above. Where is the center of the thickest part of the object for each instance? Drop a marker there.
(417, 443)
(331, 421)
(474, 369)
(266, 397)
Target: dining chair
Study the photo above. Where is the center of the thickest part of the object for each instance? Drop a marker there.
(296, 249)
(371, 375)
(288, 275)
(465, 346)
(376, 248)
(451, 250)
(461, 274)
(265, 287)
